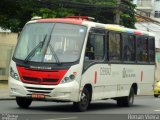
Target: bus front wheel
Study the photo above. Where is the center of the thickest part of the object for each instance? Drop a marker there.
(23, 102)
(82, 105)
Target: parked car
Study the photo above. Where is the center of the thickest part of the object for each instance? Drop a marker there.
(156, 89)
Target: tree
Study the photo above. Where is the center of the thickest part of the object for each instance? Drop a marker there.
(56, 13)
(128, 18)
(15, 13)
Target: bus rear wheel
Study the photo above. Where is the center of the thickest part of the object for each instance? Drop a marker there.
(126, 101)
(23, 102)
(82, 105)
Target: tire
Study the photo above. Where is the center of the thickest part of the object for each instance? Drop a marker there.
(23, 102)
(126, 101)
(120, 102)
(83, 104)
(156, 96)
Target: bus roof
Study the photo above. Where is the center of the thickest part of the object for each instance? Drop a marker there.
(85, 22)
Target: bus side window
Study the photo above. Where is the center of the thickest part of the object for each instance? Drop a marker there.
(139, 48)
(114, 46)
(90, 48)
(142, 49)
(151, 49)
(99, 47)
(95, 47)
(145, 49)
(128, 47)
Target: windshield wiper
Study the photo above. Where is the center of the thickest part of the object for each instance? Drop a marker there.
(54, 54)
(40, 45)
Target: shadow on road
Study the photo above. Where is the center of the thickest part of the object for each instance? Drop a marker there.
(68, 107)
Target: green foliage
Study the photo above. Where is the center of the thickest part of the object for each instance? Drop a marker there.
(15, 13)
(57, 13)
(44, 13)
(63, 12)
(127, 14)
(106, 2)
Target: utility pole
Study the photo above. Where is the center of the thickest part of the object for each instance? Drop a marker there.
(117, 17)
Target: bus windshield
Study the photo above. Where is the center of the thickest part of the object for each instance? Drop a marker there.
(50, 42)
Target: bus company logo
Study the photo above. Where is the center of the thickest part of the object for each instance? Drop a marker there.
(40, 67)
(126, 73)
(105, 71)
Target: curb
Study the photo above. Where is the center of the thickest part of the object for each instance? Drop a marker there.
(3, 81)
(7, 99)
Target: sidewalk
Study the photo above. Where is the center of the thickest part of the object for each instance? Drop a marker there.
(4, 91)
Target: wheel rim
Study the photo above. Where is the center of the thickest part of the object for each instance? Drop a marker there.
(84, 100)
(131, 99)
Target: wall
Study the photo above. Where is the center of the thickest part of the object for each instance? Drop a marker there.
(7, 44)
(157, 5)
(144, 3)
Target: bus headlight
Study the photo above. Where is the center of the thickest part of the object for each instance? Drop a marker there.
(13, 74)
(68, 79)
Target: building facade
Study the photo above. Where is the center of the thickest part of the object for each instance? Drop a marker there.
(149, 8)
(156, 10)
(144, 7)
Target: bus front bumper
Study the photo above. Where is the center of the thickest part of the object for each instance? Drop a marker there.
(62, 92)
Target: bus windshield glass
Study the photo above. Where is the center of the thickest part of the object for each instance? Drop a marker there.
(50, 42)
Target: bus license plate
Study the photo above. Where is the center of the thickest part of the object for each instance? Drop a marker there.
(38, 96)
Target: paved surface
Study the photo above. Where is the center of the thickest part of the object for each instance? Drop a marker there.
(4, 91)
(100, 110)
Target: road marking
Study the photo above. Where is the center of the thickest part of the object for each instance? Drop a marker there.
(69, 118)
(157, 99)
(157, 110)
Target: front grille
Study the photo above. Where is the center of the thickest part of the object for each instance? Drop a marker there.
(40, 80)
(32, 79)
(39, 90)
(50, 80)
(41, 77)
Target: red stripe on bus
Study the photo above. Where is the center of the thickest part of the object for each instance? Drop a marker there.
(95, 77)
(137, 32)
(141, 75)
(41, 77)
(62, 20)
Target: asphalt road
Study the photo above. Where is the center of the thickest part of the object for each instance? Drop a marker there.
(144, 106)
